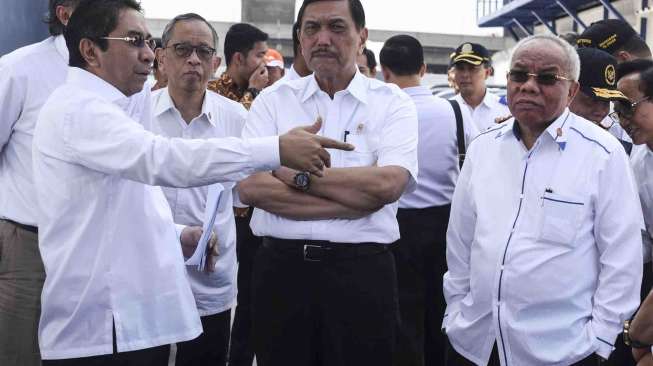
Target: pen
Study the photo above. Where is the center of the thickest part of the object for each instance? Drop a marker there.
(345, 138)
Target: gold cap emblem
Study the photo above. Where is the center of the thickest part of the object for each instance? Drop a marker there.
(610, 75)
(467, 48)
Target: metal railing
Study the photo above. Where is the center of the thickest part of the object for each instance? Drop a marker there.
(487, 7)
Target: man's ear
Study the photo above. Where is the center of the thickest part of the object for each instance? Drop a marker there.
(363, 40)
(159, 54)
(216, 64)
(238, 59)
(489, 71)
(623, 56)
(422, 70)
(90, 52)
(387, 75)
(573, 90)
(63, 13)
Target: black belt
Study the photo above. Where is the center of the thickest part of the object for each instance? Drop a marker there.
(322, 250)
(31, 229)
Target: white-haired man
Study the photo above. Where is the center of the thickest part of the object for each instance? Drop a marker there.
(544, 245)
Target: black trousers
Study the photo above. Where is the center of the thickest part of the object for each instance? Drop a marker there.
(340, 312)
(155, 356)
(210, 348)
(455, 359)
(241, 351)
(420, 258)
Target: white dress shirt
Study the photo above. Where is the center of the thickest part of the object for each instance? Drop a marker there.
(106, 236)
(484, 114)
(220, 117)
(544, 247)
(437, 149)
(642, 162)
(27, 78)
(382, 125)
(291, 74)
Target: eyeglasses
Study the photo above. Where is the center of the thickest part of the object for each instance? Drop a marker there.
(184, 50)
(542, 79)
(137, 41)
(625, 110)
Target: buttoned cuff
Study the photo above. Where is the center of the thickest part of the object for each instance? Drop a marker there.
(605, 337)
(236, 198)
(265, 152)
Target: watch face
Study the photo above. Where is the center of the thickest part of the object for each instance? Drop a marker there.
(301, 179)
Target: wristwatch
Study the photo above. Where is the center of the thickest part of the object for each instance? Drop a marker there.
(629, 341)
(254, 92)
(302, 181)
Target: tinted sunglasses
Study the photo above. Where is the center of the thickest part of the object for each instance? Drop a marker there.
(184, 50)
(546, 78)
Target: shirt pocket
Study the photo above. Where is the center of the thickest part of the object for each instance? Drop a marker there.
(561, 218)
(364, 154)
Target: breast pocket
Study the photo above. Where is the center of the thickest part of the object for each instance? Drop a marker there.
(364, 154)
(561, 218)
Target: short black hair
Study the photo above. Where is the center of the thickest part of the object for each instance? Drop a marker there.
(371, 59)
(170, 27)
(646, 82)
(295, 39)
(54, 25)
(634, 66)
(94, 19)
(355, 7)
(241, 38)
(636, 46)
(403, 55)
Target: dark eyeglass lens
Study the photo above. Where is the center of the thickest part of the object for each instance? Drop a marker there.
(183, 50)
(519, 76)
(546, 79)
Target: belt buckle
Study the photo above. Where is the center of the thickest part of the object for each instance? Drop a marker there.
(309, 258)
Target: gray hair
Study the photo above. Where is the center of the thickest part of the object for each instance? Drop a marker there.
(573, 61)
(167, 31)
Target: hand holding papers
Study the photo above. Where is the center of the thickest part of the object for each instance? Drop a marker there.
(206, 252)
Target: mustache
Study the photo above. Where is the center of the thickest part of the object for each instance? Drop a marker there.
(323, 52)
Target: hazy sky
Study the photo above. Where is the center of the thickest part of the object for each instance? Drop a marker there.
(434, 16)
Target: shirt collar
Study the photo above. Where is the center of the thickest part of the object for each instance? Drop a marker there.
(62, 49)
(417, 90)
(558, 130)
(165, 104)
(357, 87)
(92, 83)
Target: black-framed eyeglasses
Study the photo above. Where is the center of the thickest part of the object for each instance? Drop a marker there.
(625, 110)
(136, 41)
(184, 50)
(546, 78)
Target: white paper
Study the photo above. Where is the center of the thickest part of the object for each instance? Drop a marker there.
(210, 212)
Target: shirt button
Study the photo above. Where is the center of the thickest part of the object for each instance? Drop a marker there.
(502, 268)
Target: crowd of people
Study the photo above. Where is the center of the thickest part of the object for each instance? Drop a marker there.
(359, 219)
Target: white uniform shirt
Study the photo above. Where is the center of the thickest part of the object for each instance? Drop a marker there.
(543, 246)
(27, 78)
(220, 117)
(382, 125)
(437, 149)
(642, 162)
(107, 240)
(484, 114)
(291, 74)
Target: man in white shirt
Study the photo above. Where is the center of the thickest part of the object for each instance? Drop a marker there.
(635, 117)
(324, 286)
(27, 77)
(544, 247)
(185, 109)
(472, 66)
(423, 215)
(116, 287)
